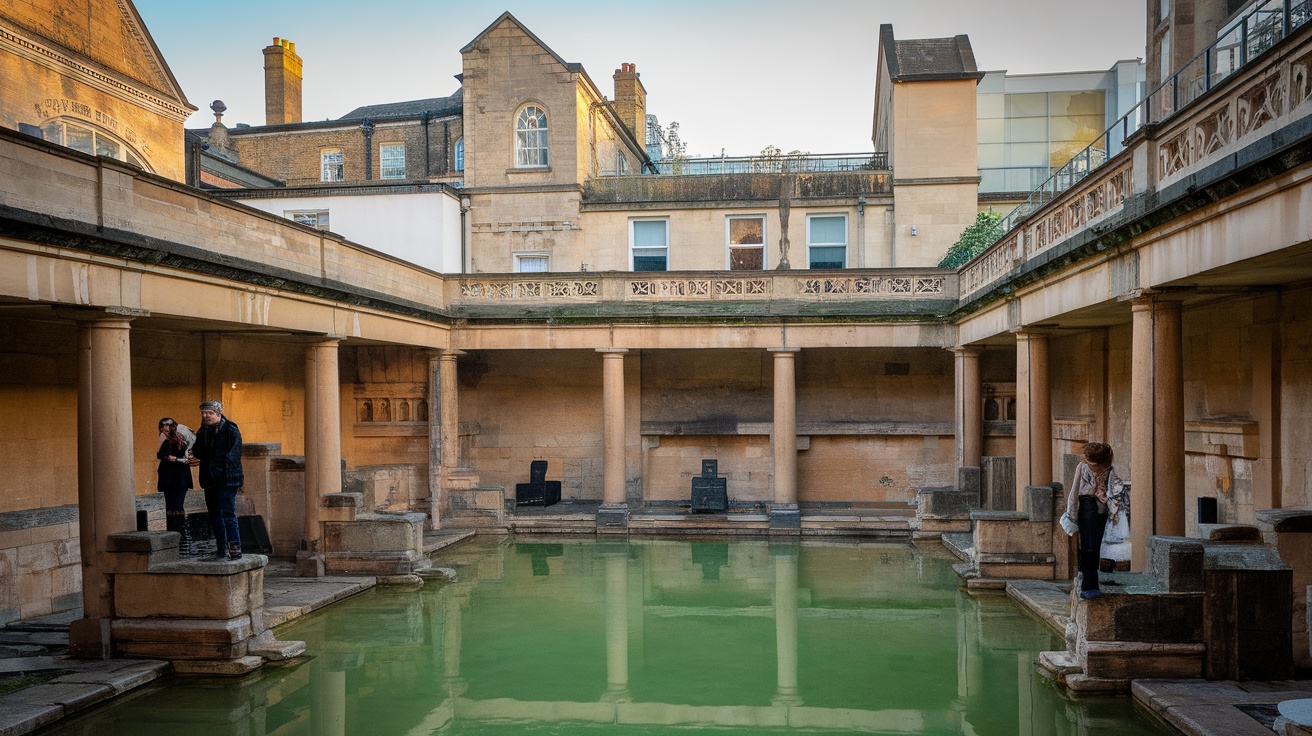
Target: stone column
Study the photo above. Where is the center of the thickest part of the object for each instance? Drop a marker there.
(783, 512)
(453, 603)
(330, 699)
(106, 486)
(1156, 424)
(617, 627)
(434, 418)
(323, 447)
(614, 511)
(785, 625)
(1033, 414)
(450, 410)
(969, 404)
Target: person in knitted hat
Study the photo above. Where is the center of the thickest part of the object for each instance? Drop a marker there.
(218, 453)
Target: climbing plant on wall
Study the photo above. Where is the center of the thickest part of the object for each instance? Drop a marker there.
(985, 231)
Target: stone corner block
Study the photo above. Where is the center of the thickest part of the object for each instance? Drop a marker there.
(1176, 564)
(142, 542)
(1040, 502)
(1229, 533)
(343, 500)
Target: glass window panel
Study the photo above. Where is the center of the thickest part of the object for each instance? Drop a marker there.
(54, 133)
(460, 154)
(106, 147)
(1077, 103)
(1033, 105)
(648, 260)
(746, 259)
(79, 139)
(333, 168)
(392, 161)
(1027, 154)
(1027, 130)
(532, 264)
(1081, 127)
(531, 137)
(990, 106)
(991, 154)
(989, 131)
(828, 229)
(828, 257)
(649, 233)
(746, 231)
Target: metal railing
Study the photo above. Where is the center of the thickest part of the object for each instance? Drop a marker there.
(780, 164)
(1245, 39)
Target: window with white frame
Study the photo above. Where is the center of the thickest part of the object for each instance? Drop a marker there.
(746, 236)
(621, 164)
(331, 164)
(391, 161)
(649, 242)
(531, 138)
(826, 241)
(312, 218)
(459, 154)
(532, 262)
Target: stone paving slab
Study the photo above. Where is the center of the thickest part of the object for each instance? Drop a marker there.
(1049, 601)
(27, 664)
(288, 598)
(19, 718)
(1202, 708)
(51, 622)
(37, 638)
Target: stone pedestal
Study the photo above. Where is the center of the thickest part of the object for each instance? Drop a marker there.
(1290, 532)
(1009, 545)
(1247, 623)
(205, 617)
(944, 510)
(359, 542)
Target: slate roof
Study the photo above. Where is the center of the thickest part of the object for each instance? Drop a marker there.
(925, 59)
(438, 106)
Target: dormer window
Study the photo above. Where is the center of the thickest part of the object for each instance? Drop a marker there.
(531, 138)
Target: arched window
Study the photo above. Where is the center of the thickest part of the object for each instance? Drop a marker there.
(531, 138)
(459, 155)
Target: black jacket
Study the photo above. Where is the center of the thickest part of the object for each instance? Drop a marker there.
(173, 476)
(219, 450)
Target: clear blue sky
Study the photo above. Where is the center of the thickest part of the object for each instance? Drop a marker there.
(736, 74)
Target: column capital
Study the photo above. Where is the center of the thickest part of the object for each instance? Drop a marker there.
(613, 351)
(783, 351)
(1031, 333)
(448, 353)
(967, 350)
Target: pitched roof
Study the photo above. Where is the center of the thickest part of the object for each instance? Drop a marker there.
(436, 106)
(928, 59)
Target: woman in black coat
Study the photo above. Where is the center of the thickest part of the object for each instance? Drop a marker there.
(175, 477)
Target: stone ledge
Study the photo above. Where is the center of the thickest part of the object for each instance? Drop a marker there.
(230, 668)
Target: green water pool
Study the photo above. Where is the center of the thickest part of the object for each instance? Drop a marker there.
(650, 637)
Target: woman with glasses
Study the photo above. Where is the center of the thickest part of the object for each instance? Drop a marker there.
(175, 477)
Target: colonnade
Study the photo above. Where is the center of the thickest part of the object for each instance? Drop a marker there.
(1156, 421)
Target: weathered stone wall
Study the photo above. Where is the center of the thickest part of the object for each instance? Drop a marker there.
(294, 155)
(40, 563)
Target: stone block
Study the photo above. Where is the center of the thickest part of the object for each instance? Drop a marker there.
(235, 667)
(1176, 564)
(1040, 502)
(1145, 618)
(1229, 533)
(1134, 660)
(947, 502)
(998, 482)
(175, 630)
(376, 532)
(216, 594)
(1248, 628)
(174, 651)
(968, 481)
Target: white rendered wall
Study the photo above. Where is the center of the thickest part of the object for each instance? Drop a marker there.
(422, 228)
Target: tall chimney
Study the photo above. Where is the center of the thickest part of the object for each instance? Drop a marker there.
(282, 83)
(631, 100)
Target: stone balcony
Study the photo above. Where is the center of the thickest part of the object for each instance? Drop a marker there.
(885, 294)
(736, 187)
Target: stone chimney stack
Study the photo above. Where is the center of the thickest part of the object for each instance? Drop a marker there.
(282, 83)
(631, 100)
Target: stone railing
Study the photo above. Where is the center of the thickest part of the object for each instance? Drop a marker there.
(740, 186)
(1261, 98)
(899, 284)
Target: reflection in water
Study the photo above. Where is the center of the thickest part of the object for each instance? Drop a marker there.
(652, 638)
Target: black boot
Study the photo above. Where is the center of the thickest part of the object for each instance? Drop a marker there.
(234, 550)
(176, 521)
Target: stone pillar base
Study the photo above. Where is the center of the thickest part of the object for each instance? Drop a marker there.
(613, 518)
(785, 518)
(90, 638)
(309, 564)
